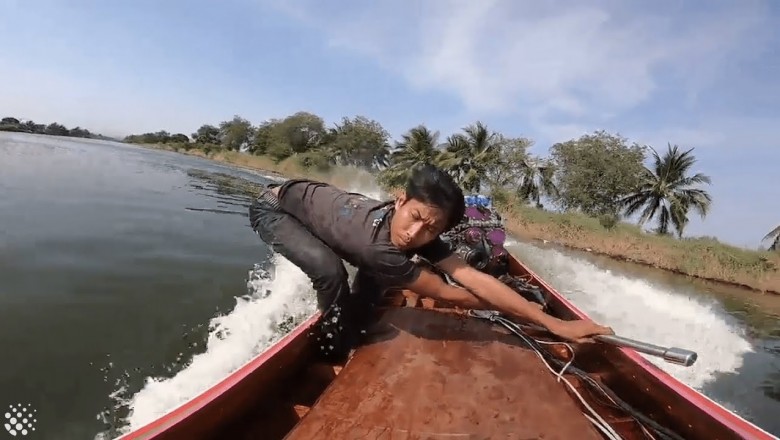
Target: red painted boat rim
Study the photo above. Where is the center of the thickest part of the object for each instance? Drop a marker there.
(178, 414)
(715, 410)
(191, 406)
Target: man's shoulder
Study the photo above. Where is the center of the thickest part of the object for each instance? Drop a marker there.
(306, 185)
(298, 183)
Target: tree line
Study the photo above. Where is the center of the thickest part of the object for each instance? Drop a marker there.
(600, 174)
(53, 129)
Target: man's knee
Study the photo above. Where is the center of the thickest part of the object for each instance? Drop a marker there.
(329, 277)
(263, 209)
(259, 214)
(331, 272)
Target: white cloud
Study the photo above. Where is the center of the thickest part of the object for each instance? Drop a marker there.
(564, 58)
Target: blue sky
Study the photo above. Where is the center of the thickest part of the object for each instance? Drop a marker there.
(698, 74)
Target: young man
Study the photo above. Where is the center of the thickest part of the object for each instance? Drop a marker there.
(315, 226)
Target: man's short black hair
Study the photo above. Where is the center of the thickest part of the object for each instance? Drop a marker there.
(432, 186)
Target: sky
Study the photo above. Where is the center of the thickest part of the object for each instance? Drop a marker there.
(703, 75)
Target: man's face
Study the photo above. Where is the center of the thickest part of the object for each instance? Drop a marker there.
(415, 224)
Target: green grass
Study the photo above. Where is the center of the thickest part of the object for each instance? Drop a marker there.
(703, 257)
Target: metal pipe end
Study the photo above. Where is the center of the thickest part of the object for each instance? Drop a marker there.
(680, 356)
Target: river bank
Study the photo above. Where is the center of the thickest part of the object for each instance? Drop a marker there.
(704, 258)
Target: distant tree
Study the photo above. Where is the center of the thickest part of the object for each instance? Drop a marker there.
(206, 135)
(360, 142)
(299, 133)
(236, 134)
(159, 137)
(506, 170)
(11, 124)
(180, 138)
(773, 234)
(593, 173)
(55, 129)
(264, 137)
(537, 180)
(418, 146)
(302, 131)
(31, 127)
(668, 190)
(79, 132)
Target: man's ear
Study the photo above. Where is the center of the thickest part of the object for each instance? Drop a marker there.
(401, 200)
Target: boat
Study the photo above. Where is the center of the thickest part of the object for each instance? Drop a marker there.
(430, 370)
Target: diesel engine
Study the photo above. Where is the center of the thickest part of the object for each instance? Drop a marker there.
(479, 239)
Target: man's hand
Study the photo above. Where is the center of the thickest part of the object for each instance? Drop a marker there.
(579, 330)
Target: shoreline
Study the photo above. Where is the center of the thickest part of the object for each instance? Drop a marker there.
(704, 259)
(628, 252)
(651, 266)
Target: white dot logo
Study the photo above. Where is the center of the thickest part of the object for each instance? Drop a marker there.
(19, 419)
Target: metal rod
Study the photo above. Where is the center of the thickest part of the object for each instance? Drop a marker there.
(674, 355)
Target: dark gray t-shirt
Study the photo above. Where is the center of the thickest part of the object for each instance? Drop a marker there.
(357, 228)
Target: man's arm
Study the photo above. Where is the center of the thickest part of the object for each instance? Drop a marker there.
(491, 293)
(495, 294)
(430, 285)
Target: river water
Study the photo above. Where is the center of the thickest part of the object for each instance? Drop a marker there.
(130, 281)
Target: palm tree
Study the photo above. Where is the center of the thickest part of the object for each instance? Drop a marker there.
(774, 233)
(417, 147)
(536, 180)
(667, 190)
(469, 156)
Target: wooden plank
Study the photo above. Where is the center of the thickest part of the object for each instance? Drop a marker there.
(432, 375)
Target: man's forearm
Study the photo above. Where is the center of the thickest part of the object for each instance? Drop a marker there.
(461, 297)
(499, 296)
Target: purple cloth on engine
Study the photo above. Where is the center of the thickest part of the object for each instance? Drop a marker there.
(474, 213)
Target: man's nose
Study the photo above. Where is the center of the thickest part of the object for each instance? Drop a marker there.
(414, 230)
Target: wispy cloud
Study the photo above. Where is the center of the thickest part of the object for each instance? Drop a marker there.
(548, 60)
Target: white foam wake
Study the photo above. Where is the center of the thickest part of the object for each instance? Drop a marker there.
(277, 303)
(636, 308)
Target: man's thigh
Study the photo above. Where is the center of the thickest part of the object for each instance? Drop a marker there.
(290, 238)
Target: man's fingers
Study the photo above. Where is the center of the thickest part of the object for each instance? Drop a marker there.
(595, 330)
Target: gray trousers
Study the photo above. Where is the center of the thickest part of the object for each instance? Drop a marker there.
(346, 312)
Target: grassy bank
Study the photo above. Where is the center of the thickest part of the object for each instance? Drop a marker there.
(702, 257)
(348, 178)
(698, 257)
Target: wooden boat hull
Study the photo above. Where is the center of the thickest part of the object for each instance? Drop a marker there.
(438, 372)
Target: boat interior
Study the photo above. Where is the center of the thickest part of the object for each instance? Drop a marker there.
(429, 371)
(424, 373)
